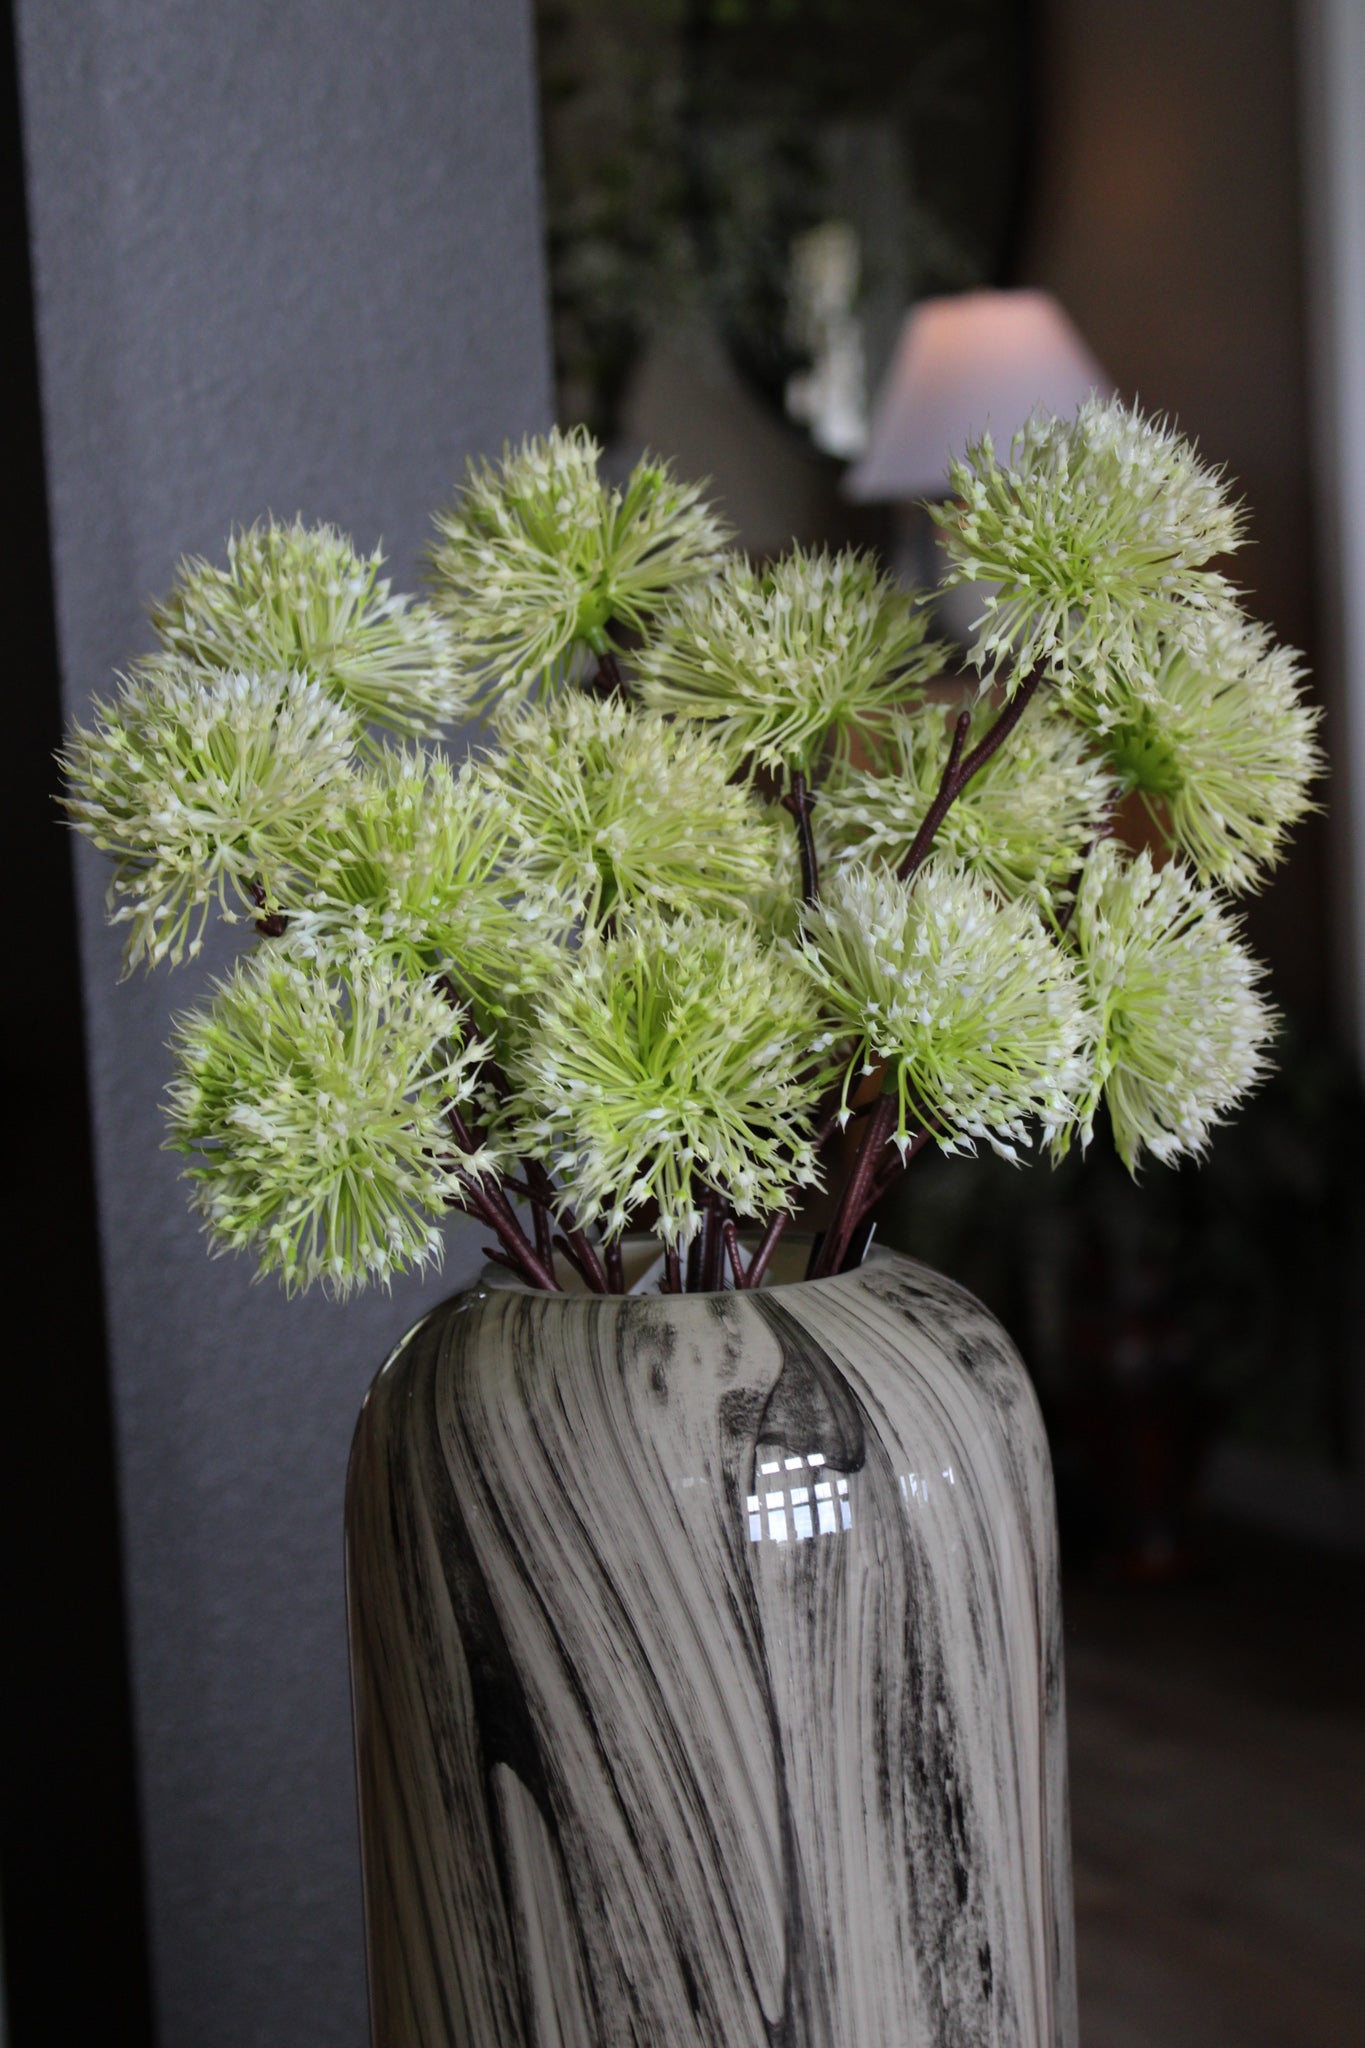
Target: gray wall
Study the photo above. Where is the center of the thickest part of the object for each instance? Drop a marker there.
(287, 256)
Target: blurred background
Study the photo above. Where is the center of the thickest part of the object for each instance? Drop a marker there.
(313, 256)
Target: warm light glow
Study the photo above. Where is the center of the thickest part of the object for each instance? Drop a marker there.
(975, 360)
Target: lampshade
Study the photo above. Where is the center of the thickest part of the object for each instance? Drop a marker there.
(975, 360)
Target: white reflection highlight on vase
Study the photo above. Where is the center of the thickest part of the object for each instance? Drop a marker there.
(800, 1506)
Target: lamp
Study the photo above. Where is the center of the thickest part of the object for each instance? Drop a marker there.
(975, 360)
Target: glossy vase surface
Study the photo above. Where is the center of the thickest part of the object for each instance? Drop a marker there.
(706, 1655)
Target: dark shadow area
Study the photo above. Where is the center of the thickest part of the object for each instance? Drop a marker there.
(75, 1948)
(1217, 1738)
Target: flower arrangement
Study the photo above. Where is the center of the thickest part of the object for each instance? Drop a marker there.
(743, 892)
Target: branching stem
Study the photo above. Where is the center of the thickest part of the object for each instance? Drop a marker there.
(800, 801)
(853, 1200)
(959, 770)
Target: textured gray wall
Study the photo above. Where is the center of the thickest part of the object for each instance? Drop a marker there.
(288, 256)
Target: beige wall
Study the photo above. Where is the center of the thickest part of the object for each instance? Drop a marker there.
(1167, 220)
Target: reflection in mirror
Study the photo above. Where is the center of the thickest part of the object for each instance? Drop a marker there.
(744, 197)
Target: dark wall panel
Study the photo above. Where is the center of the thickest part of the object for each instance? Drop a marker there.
(285, 257)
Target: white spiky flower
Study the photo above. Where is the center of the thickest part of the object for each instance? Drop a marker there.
(204, 789)
(780, 660)
(1181, 1026)
(540, 558)
(623, 807)
(1097, 530)
(313, 1112)
(975, 1013)
(674, 1057)
(1223, 745)
(1023, 823)
(414, 865)
(301, 597)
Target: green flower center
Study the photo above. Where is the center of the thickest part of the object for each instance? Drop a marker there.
(1144, 759)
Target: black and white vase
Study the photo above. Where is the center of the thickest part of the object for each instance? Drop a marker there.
(707, 1669)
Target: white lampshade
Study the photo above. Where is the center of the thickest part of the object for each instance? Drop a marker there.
(975, 360)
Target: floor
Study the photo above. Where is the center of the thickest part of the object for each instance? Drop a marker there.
(1218, 1803)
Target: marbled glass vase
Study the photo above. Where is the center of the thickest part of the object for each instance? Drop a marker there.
(707, 1671)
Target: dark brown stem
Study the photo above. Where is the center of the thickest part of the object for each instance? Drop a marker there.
(607, 678)
(838, 1118)
(616, 1272)
(545, 1242)
(713, 1246)
(276, 924)
(854, 1196)
(731, 1237)
(767, 1245)
(586, 1255)
(672, 1272)
(520, 1253)
(891, 1173)
(586, 1260)
(579, 1265)
(492, 1204)
(958, 772)
(498, 1258)
(800, 801)
(542, 1193)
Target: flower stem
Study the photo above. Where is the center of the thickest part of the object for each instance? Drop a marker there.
(800, 801)
(767, 1245)
(853, 1202)
(958, 772)
(488, 1201)
(585, 1259)
(731, 1236)
(712, 1246)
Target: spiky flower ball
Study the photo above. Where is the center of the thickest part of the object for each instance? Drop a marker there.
(975, 1013)
(625, 808)
(673, 1058)
(301, 597)
(1223, 747)
(414, 866)
(1097, 531)
(313, 1113)
(1181, 1025)
(539, 558)
(1024, 822)
(776, 661)
(204, 788)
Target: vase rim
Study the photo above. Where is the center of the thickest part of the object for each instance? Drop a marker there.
(793, 1251)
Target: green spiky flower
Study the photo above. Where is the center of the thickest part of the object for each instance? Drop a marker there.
(540, 559)
(204, 789)
(974, 1011)
(777, 661)
(1024, 822)
(1098, 530)
(673, 1058)
(301, 597)
(1181, 1026)
(313, 1113)
(1223, 748)
(624, 807)
(414, 866)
